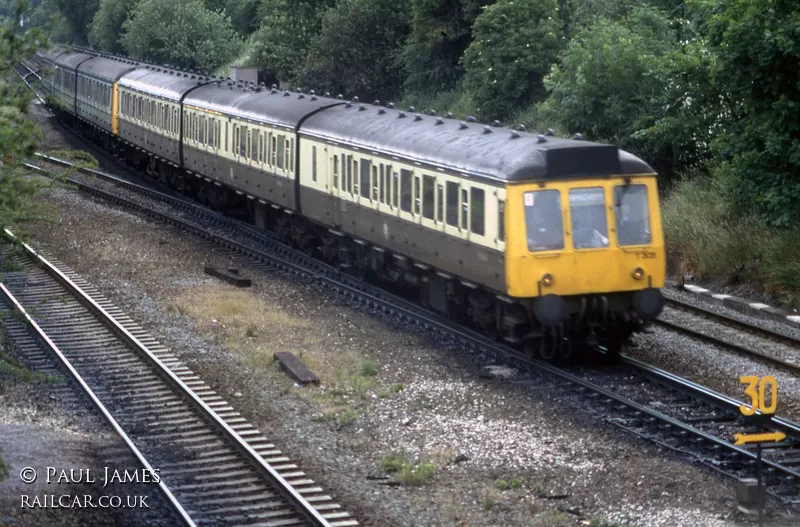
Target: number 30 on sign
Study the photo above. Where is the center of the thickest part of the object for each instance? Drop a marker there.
(760, 390)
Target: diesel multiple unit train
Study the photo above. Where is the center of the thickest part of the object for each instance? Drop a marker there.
(534, 239)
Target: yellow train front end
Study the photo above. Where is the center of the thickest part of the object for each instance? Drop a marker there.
(585, 257)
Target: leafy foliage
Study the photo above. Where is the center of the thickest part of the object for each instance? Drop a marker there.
(288, 28)
(514, 44)
(79, 15)
(18, 135)
(183, 33)
(441, 32)
(347, 59)
(107, 24)
(610, 82)
(756, 46)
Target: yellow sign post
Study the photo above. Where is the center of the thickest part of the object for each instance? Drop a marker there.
(758, 389)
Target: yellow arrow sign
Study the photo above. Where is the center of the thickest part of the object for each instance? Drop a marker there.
(742, 439)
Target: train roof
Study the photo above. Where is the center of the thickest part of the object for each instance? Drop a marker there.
(471, 148)
(52, 53)
(107, 69)
(161, 82)
(71, 60)
(271, 106)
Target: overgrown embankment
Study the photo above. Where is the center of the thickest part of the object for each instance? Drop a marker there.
(707, 238)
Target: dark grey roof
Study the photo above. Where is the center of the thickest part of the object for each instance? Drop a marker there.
(71, 60)
(161, 82)
(471, 148)
(52, 53)
(106, 69)
(264, 106)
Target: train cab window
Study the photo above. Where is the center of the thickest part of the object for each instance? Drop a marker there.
(428, 195)
(543, 223)
(587, 207)
(405, 190)
(281, 148)
(476, 209)
(366, 168)
(452, 204)
(374, 182)
(501, 220)
(335, 171)
(632, 215)
(439, 202)
(314, 164)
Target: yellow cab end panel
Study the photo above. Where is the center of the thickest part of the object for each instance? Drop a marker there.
(575, 271)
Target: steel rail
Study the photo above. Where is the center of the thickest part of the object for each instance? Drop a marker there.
(65, 363)
(301, 505)
(788, 366)
(412, 312)
(734, 322)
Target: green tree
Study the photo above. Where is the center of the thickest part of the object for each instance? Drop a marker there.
(515, 42)
(610, 83)
(79, 15)
(346, 58)
(19, 136)
(441, 32)
(183, 33)
(755, 46)
(288, 28)
(107, 24)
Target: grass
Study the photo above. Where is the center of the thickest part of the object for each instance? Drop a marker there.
(12, 370)
(3, 467)
(77, 157)
(704, 237)
(408, 472)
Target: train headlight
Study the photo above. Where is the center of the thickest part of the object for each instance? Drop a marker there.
(547, 280)
(638, 273)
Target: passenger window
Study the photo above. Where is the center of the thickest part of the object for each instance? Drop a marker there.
(348, 185)
(384, 181)
(374, 183)
(417, 192)
(226, 137)
(335, 171)
(476, 207)
(632, 215)
(543, 223)
(273, 150)
(452, 204)
(405, 190)
(439, 203)
(428, 195)
(281, 150)
(291, 155)
(464, 209)
(501, 220)
(587, 206)
(366, 168)
(314, 164)
(395, 187)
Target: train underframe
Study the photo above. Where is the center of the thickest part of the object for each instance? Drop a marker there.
(589, 321)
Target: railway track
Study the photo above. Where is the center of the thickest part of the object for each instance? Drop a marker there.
(784, 356)
(648, 402)
(216, 469)
(651, 403)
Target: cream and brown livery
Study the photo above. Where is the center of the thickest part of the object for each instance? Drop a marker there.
(532, 238)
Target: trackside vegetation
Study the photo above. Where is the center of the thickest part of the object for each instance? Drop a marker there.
(707, 91)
